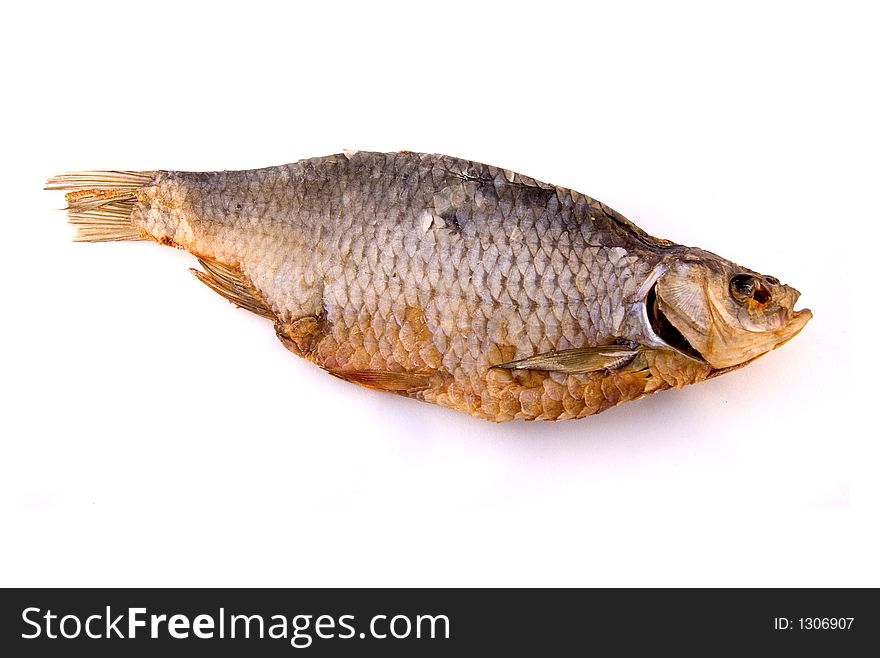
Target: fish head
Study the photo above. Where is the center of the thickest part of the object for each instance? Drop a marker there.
(721, 312)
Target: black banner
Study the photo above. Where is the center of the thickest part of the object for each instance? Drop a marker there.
(418, 622)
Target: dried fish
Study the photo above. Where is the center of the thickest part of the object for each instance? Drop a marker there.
(450, 281)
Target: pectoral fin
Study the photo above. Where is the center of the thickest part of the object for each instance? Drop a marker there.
(575, 361)
(233, 285)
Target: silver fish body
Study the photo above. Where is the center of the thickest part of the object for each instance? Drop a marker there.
(454, 282)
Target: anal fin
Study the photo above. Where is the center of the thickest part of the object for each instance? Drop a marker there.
(384, 380)
(576, 361)
(230, 283)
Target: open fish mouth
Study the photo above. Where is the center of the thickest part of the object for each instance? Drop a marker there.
(797, 321)
(794, 320)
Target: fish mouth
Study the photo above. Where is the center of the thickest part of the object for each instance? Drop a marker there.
(796, 322)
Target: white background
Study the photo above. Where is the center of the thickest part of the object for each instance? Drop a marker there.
(155, 435)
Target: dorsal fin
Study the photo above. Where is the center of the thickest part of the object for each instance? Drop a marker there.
(234, 286)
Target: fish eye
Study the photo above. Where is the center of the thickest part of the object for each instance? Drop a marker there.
(745, 286)
(742, 287)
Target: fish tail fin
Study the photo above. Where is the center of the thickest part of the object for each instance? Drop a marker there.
(100, 203)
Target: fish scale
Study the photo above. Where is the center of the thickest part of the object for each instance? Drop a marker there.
(442, 279)
(368, 180)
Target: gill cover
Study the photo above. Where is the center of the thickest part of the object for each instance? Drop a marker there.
(724, 314)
